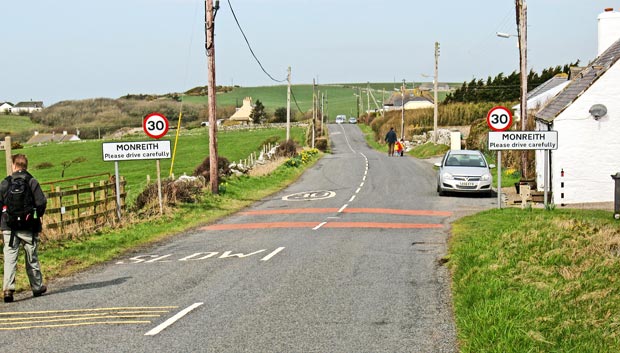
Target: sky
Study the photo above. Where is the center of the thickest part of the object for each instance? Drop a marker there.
(76, 49)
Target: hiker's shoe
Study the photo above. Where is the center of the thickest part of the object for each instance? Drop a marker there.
(38, 293)
(8, 296)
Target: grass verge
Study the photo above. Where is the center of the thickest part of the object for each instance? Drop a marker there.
(536, 281)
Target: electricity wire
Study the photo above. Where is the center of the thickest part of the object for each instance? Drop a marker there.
(249, 46)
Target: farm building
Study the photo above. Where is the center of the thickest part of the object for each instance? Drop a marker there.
(586, 115)
(47, 138)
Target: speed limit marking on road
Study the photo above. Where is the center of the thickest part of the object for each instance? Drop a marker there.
(499, 118)
(155, 125)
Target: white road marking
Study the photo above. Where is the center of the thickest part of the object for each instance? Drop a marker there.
(342, 208)
(319, 226)
(352, 198)
(172, 320)
(273, 253)
(358, 190)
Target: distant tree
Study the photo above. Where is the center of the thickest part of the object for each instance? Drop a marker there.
(258, 114)
(279, 116)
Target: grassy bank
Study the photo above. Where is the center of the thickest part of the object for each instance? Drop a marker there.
(536, 281)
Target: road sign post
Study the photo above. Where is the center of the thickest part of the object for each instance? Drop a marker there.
(525, 140)
(499, 119)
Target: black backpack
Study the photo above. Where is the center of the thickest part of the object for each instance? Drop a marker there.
(19, 203)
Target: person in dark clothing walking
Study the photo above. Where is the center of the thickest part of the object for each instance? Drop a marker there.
(21, 190)
(391, 139)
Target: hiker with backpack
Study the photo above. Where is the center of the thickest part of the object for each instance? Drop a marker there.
(23, 204)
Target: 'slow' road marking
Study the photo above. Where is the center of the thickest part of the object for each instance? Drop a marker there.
(172, 320)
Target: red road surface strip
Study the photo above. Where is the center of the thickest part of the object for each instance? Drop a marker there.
(260, 225)
(349, 210)
(236, 226)
(381, 225)
(333, 224)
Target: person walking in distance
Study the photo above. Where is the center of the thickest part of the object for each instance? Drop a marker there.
(391, 139)
(23, 205)
(399, 147)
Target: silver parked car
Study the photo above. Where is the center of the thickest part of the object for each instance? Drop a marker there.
(464, 171)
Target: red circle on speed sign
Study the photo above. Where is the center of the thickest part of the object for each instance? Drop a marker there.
(155, 125)
(499, 118)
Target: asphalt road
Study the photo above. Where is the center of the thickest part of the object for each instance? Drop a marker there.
(347, 259)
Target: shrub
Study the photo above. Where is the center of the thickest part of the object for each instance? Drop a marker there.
(287, 149)
(203, 169)
(321, 143)
(173, 192)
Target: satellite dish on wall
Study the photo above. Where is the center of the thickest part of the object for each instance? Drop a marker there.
(598, 111)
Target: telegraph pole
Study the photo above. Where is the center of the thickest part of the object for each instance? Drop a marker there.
(368, 100)
(402, 111)
(435, 112)
(210, 46)
(288, 106)
(521, 9)
(313, 110)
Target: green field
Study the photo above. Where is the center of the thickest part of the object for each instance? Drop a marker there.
(85, 157)
(16, 124)
(340, 98)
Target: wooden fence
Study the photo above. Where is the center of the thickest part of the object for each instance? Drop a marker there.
(79, 208)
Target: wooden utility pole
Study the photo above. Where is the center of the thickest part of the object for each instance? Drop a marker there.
(288, 106)
(313, 111)
(368, 101)
(521, 9)
(435, 83)
(210, 46)
(402, 110)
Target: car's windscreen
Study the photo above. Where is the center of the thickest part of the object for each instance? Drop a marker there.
(465, 160)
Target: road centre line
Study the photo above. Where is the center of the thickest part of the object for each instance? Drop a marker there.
(342, 208)
(172, 320)
(319, 226)
(352, 198)
(358, 190)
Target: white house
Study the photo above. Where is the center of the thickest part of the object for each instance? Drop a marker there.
(27, 107)
(5, 107)
(243, 114)
(586, 115)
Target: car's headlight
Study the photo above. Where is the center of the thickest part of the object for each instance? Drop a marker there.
(486, 177)
(447, 176)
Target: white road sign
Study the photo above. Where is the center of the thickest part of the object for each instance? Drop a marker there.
(126, 151)
(523, 140)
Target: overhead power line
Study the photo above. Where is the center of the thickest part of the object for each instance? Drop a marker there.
(250, 47)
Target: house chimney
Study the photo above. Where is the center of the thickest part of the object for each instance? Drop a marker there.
(608, 29)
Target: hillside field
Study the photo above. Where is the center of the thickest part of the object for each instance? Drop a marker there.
(339, 98)
(82, 158)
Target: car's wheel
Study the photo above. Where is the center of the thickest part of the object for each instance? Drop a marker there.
(440, 191)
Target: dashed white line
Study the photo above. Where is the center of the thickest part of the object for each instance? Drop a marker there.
(172, 320)
(352, 198)
(319, 226)
(342, 208)
(358, 190)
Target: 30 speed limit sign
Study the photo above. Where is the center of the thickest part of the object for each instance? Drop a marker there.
(155, 125)
(499, 118)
